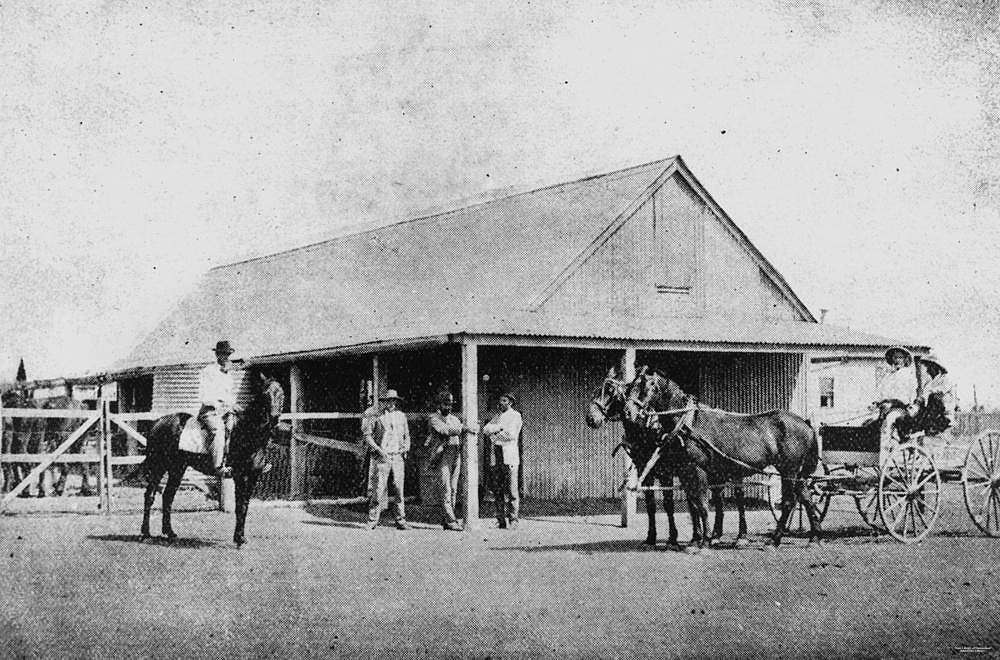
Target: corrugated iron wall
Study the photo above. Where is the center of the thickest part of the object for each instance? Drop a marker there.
(750, 382)
(563, 458)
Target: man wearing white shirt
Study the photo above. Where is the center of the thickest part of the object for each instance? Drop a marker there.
(389, 439)
(504, 431)
(215, 393)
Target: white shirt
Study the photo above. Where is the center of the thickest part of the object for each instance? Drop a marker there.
(395, 432)
(900, 384)
(215, 387)
(505, 429)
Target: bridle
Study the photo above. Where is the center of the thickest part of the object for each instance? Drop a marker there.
(617, 392)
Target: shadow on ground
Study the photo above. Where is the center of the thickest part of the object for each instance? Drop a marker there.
(153, 540)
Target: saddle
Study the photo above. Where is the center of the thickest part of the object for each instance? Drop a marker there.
(194, 437)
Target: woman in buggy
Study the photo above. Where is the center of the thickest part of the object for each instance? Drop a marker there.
(909, 405)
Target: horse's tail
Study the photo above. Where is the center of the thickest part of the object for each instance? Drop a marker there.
(799, 432)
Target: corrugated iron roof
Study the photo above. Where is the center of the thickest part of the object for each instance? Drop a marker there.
(464, 271)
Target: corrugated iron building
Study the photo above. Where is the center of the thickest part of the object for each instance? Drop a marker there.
(540, 292)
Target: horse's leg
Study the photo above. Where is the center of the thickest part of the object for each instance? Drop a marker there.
(787, 504)
(804, 495)
(697, 495)
(59, 488)
(85, 488)
(650, 497)
(717, 502)
(154, 474)
(741, 537)
(174, 476)
(668, 506)
(245, 484)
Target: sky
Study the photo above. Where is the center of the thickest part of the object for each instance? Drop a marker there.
(856, 144)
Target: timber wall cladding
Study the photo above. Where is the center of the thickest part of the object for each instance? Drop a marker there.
(672, 257)
(563, 457)
(175, 389)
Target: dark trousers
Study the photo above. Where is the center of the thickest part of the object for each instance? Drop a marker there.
(506, 495)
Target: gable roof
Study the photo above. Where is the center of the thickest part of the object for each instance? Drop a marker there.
(476, 269)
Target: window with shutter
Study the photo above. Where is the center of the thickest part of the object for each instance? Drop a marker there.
(674, 229)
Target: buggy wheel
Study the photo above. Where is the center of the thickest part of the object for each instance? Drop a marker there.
(909, 493)
(798, 520)
(981, 482)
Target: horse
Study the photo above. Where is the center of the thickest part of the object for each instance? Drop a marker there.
(57, 429)
(722, 446)
(639, 443)
(251, 434)
(26, 436)
(38, 435)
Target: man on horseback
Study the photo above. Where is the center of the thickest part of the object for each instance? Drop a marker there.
(215, 392)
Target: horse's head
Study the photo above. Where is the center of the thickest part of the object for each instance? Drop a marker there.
(653, 392)
(607, 402)
(17, 397)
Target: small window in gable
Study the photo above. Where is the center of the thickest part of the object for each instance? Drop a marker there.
(826, 392)
(675, 238)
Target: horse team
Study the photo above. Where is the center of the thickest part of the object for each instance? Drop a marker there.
(39, 435)
(668, 433)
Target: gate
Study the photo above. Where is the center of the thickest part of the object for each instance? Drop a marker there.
(103, 425)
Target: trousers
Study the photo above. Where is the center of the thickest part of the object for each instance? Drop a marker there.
(378, 485)
(217, 426)
(506, 495)
(448, 473)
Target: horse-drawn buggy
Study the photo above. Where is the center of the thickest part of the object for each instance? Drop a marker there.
(886, 464)
(888, 472)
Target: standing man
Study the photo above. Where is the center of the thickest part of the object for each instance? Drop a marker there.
(215, 392)
(390, 441)
(504, 431)
(444, 441)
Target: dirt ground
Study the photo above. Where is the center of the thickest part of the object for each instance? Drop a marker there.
(313, 583)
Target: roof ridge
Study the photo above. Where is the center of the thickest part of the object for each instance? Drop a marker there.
(440, 214)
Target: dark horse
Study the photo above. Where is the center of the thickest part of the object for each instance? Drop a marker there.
(640, 442)
(724, 446)
(252, 431)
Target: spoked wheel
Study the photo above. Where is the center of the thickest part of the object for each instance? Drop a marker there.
(798, 520)
(909, 493)
(867, 501)
(981, 482)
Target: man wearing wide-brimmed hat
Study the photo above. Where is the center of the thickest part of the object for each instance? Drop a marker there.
(389, 439)
(217, 397)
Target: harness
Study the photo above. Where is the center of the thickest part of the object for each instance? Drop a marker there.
(683, 428)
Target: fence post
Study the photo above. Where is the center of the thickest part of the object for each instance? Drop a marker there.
(104, 458)
(629, 496)
(3, 448)
(294, 395)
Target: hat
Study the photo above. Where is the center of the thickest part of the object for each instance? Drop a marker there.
(933, 358)
(898, 349)
(224, 347)
(390, 394)
(509, 395)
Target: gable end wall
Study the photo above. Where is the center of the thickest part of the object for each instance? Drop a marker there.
(621, 277)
